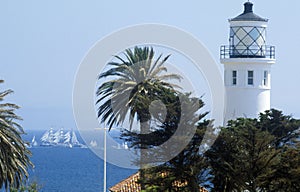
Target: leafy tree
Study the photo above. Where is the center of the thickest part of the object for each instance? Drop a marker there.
(187, 170)
(283, 127)
(14, 156)
(256, 154)
(287, 132)
(162, 125)
(287, 173)
(242, 157)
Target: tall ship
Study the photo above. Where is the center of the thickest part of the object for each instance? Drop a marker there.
(60, 138)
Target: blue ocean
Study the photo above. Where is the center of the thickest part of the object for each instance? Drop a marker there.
(63, 169)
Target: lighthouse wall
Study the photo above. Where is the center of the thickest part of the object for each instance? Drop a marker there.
(244, 99)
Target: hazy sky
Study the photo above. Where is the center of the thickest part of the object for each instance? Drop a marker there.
(43, 43)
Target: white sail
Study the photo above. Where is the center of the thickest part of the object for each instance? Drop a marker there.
(33, 139)
(56, 137)
(59, 137)
(125, 145)
(51, 136)
(33, 142)
(93, 143)
(67, 137)
(48, 138)
(45, 137)
(74, 139)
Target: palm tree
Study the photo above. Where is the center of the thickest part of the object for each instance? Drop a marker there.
(14, 156)
(136, 82)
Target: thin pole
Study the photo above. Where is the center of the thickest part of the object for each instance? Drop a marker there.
(104, 164)
(104, 158)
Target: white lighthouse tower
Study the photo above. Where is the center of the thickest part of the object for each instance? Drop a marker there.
(247, 66)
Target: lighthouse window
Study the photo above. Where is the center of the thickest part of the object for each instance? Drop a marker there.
(234, 77)
(248, 41)
(265, 82)
(250, 77)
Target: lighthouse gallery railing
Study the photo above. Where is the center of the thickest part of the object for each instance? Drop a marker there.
(227, 52)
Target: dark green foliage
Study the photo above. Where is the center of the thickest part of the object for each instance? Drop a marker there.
(159, 131)
(187, 170)
(243, 157)
(283, 127)
(14, 156)
(287, 175)
(257, 154)
(32, 187)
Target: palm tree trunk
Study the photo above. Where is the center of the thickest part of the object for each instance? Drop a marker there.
(145, 128)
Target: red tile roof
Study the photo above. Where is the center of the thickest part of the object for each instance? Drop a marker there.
(130, 185)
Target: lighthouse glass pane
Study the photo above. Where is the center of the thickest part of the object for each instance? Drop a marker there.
(250, 77)
(256, 52)
(236, 40)
(247, 29)
(241, 33)
(260, 41)
(263, 33)
(231, 32)
(254, 33)
(240, 48)
(234, 29)
(248, 41)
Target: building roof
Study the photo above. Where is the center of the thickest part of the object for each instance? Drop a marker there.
(130, 184)
(248, 14)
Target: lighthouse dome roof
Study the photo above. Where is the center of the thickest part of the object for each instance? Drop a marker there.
(248, 14)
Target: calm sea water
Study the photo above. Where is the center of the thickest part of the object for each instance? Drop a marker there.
(62, 169)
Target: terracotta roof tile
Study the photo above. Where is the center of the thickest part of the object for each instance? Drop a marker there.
(130, 185)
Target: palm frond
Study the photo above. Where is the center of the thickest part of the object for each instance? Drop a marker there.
(135, 78)
(14, 156)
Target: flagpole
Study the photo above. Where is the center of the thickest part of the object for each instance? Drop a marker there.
(104, 158)
(104, 179)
